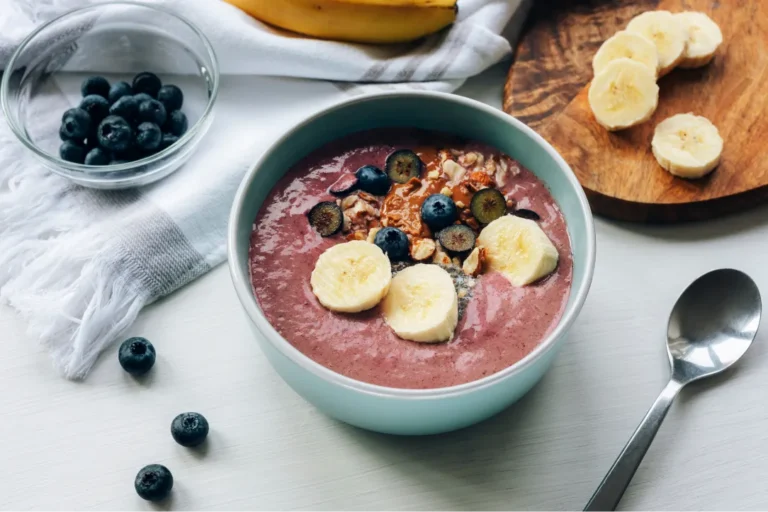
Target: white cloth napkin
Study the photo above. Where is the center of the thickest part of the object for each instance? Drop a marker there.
(80, 264)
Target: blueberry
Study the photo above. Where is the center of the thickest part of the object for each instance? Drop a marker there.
(393, 242)
(75, 124)
(147, 83)
(97, 156)
(171, 97)
(142, 97)
(115, 134)
(457, 239)
(92, 141)
(169, 140)
(176, 123)
(326, 218)
(189, 429)
(526, 214)
(72, 152)
(128, 155)
(118, 90)
(95, 85)
(148, 136)
(154, 482)
(488, 205)
(152, 111)
(96, 106)
(438, 211)
(345, 184)
(373, 180)
(126, 107)
(403, 165)
(136, 355)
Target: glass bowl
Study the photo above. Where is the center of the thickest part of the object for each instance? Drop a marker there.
(116, 40)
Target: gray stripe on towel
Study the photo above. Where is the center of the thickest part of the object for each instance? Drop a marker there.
(455, 47)
(151, 245)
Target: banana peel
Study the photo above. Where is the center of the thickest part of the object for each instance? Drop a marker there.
(362, 21)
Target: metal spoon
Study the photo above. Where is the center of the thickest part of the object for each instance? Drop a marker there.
(711, 326)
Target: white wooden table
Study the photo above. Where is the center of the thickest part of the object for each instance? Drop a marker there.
(66, 445)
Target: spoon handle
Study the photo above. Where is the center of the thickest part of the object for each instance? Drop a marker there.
(611, 489)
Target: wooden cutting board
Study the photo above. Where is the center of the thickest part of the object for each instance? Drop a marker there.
(547, 88)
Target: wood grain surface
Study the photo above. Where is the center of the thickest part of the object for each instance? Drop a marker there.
(618, 170)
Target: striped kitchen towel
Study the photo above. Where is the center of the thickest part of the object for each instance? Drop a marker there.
(79, 264)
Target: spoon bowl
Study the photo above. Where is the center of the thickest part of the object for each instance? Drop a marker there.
(712, 324)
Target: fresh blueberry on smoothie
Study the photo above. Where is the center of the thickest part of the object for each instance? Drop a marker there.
(393, 242)
(373, 180)
(439, 211)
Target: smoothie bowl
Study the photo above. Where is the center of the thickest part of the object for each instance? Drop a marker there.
(411, 262)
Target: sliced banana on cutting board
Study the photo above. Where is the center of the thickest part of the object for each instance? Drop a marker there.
(518, 249)
(687, 145)
(422, 304)
(624, 94)
(704, 37)
(627, 45)
(664, 30)
(351, 277)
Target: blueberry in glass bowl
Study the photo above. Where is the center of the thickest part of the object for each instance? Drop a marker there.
(108, 60)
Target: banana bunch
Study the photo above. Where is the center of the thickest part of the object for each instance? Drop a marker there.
(363, 21)
(624, 92)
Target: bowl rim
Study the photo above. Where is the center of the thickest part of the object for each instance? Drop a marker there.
(242, 282)
(103, 171)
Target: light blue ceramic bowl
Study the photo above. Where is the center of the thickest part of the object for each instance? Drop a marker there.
(409, 411)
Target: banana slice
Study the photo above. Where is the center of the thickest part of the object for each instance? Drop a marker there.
(422, 304)
(624, 94)
(518, 249)
(687, 145)
(628, 45)
(351, 277)
(704, 37)
(666, 32)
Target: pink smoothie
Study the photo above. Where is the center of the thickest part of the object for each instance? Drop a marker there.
(500, 325)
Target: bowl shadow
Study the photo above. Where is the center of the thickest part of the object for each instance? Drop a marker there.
(480, 465)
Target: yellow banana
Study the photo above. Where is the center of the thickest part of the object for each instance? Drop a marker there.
(364, 21)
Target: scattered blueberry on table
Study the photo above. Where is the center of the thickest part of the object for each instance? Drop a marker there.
(189, 429)
(122, 122)
(136, 355)
(154, 482)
